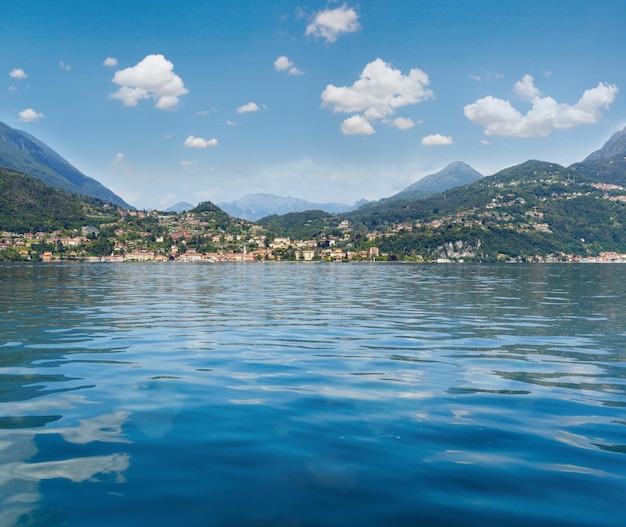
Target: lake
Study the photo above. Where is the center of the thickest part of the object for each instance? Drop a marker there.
(278, 394)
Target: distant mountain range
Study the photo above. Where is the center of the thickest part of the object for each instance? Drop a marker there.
(532, 210)
(26, 154)
(253, 207)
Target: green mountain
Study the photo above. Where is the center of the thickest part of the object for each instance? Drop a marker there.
(532, 209)
(28, 205)
(26, 154)
(456, 174)
(306, 225)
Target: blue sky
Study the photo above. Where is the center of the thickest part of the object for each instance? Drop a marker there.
(167, 101)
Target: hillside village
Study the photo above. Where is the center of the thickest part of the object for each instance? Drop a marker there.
(211, 236)
(188, 237)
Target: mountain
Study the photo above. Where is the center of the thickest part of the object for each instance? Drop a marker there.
(608, 164)
(456, 174)
(253, 207)
(26, 154)
(179, 207)
(28, 205)
(613, 148)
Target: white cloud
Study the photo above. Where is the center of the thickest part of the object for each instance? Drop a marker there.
(198, 142)
(283, 63)
(525, 89)
(29, 115)
(328, 24)
(247, 108)
(379, 90)
(231, 123)
(186, 163)
(499, 118)
(110, 62)
(403, 123)
(17, 73)
(119, 157)
(357, 125)
(152, 78)
(437, 140)
(64, 66)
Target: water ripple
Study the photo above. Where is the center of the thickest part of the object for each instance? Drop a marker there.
(312, 394)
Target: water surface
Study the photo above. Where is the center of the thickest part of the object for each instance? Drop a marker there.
(312, 394)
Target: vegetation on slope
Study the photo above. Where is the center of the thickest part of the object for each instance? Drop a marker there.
(28, 205)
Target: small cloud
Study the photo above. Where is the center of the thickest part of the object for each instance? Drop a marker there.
(484, 142)
(403, 123)
(29, 115)
(525, 88)
(357, 125)
(231, 123)
(167, 136)
(498, 117)
(475, 77)
(202, 112)
(18, 73)
(247, 108)
(198, 142)
(330, 23)
(65, 67)
(283, 63)
(110, 62)
(188, 163)
(437, 140)
(119, 157)
(152, 78)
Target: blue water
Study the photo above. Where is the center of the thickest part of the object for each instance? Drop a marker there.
(312, 395)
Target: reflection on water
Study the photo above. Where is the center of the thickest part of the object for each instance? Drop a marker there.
(312, 394)
(20, 476)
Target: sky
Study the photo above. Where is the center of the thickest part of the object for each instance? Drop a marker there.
(329, 101)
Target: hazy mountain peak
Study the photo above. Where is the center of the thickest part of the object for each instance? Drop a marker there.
(455, 174)
(181, 206)
(614, 147)
(253, 207)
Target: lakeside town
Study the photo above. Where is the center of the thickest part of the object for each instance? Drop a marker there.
(152, 236)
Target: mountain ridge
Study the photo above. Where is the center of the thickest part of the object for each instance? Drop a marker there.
(455, 174)
(615, 147)
(22, 152)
